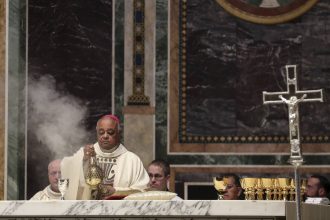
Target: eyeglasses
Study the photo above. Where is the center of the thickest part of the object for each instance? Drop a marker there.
(229, 186)
(156, 176)
(54, 173)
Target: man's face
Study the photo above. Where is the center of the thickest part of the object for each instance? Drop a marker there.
(157, 180)
(313, 188)
(232, 191)
(107, 133)
(54, 173)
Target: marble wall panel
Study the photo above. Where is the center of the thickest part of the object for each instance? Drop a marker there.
(71, 41)
(2, 94)
(161, 77)
(163, 44)
(16, 100)
(119, 42)
(230, 62)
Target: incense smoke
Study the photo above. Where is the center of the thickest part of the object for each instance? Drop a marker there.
(55, 117)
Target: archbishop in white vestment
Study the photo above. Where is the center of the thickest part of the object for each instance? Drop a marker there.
(127, 172)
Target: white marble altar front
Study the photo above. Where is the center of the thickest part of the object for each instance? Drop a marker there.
(120, 208)
(159, 210)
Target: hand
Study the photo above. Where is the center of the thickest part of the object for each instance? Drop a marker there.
(89, 152)
(105, 190)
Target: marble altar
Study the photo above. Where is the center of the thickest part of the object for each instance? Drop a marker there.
(158, 209)
(120, 208)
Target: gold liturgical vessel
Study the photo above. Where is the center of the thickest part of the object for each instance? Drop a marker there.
(220, 185)
(94, 175)
(268, 185)
(249, 186)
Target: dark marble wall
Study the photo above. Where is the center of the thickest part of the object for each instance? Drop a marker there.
(70, 42)
(230, 62)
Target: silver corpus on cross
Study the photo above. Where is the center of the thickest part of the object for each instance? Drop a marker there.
(292, 97)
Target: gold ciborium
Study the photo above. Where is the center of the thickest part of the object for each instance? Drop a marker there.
(248, 184)
(94, 175)
(284, 185)
(220, 185)
(268, 184)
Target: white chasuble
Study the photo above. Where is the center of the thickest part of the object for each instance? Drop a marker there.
(122, 169)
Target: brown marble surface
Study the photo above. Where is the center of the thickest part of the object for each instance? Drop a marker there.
(2, 93)
(219, 67)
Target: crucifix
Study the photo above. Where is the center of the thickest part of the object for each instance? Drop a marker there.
(292, 97)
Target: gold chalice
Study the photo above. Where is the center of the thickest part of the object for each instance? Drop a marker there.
(284, 184)
(276, 191)
(248, 184)
(268, 184)
(292, 191)
(220, 185)
(260, 189)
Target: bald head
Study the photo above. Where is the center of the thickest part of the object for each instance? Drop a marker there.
(109, 117)
(54, 164)
(54, 173)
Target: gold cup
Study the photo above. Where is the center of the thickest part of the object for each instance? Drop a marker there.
(303, 188)
(284, 185)
(268, 184)
(292, 191)
(249, 184)
(260, 189)
(276, 190)
(220, 185)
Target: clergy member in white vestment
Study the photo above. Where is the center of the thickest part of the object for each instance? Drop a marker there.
(51, 192)
(122, 169)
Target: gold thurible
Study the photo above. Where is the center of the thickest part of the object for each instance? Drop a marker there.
(94, 175)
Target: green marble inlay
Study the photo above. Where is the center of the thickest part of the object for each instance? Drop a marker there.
(119, 58)
(161, 78)
(16, 100)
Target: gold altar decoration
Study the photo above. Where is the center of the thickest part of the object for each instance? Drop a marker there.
(220, 185)
(249, 185)
(280, 188)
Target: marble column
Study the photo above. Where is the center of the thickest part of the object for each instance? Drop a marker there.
(139, 120)
(2, 93)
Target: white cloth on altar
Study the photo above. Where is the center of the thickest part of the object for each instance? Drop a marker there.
(46, 194)
(128, 171)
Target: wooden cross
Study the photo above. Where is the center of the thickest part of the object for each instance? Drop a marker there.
(292, 97)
